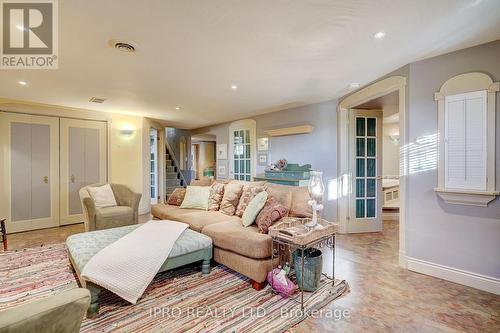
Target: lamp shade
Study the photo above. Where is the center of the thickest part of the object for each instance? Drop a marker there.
(316, 187)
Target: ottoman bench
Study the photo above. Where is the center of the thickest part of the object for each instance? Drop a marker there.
(189, 248)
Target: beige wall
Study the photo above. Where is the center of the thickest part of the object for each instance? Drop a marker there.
(206, 156)
(390, 150)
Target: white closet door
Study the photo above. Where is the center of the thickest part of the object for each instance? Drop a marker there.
(29, 169)
(83, 162)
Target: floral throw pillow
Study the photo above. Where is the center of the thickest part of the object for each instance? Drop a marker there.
(272, 212)
(215, 198)
(232, 194)
(177, 197)
(249, 192)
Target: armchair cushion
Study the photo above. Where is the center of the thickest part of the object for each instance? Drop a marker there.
(62, 312)
(112, 217)
(103, 196)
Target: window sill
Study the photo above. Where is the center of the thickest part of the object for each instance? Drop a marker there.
(467, 198)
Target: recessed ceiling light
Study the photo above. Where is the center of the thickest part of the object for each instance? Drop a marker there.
(379, 35)
(354, 85)
(234, 87)
(23, 83)
(177, 108)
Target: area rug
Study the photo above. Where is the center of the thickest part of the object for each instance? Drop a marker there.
(182, 300)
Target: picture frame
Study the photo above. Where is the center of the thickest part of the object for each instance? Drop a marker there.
(221, 171)
(222, 151)
(263, 144)
(262, 159)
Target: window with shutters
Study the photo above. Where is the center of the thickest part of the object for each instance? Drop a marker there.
(465, 142)
(466, 117)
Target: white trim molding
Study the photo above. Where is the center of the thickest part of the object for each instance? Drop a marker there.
(344, 167)
(462, 84)
(467, 198)
(470, 279)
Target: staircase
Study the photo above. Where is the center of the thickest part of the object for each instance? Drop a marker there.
(173, 176)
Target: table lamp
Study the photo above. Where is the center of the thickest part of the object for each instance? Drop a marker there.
(316, 190)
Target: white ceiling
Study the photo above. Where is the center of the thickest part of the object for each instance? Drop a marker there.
(279, 53)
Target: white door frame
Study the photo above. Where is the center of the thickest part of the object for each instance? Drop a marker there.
(345, 170)
(245, 124)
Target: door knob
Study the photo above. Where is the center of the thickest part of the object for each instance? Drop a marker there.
(46, 179)
(72, 178)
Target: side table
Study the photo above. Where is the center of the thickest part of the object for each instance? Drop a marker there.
(4, 234)
(291, 234)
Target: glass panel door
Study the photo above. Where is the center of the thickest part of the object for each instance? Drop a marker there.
(366, 152)
(242, 155)
(366, 167)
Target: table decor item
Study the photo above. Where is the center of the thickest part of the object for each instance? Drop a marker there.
(316, 190)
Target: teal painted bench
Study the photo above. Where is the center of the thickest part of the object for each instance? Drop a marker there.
(191, 247)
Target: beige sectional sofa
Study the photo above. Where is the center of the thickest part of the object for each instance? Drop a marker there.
(243, 249)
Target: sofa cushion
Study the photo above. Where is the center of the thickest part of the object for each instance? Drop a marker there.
(112, 217)
(177, 197)
(196, 219)
(196, 197)
(215, 197)
(272, 212)
(249, 192)
(170, 212)
(235, 237)
(282, 193)
(253, 209)
(300, 202)
(232, 194)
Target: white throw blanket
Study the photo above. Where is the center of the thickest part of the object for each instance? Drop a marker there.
(127, 266)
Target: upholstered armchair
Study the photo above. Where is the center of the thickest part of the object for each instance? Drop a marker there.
(60, 313)
(126, 213)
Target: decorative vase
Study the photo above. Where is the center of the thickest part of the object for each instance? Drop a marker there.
(313, 266)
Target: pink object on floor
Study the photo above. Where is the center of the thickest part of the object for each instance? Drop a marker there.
(285, 288)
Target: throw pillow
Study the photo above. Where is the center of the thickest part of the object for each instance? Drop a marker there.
(215, 197)
(272, 212)
(253, 209)
(282, 193)
(103, 196)
(196, 197)
(177, 197)
(249, 192)
(300, 202)
(232, 194)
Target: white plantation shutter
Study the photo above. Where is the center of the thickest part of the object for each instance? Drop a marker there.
(465, 141)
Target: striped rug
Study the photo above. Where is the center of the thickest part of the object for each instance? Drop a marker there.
(182, 300)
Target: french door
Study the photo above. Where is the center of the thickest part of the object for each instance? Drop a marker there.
(366, 167)
(29, 170)
(242, 149)
(83, 162)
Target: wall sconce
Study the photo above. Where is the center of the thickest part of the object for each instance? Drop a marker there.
(127, 132)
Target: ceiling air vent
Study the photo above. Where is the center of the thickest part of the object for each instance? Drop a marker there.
(123, 46)
(97, 100)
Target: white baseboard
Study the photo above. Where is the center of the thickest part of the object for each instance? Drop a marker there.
(470, 279)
